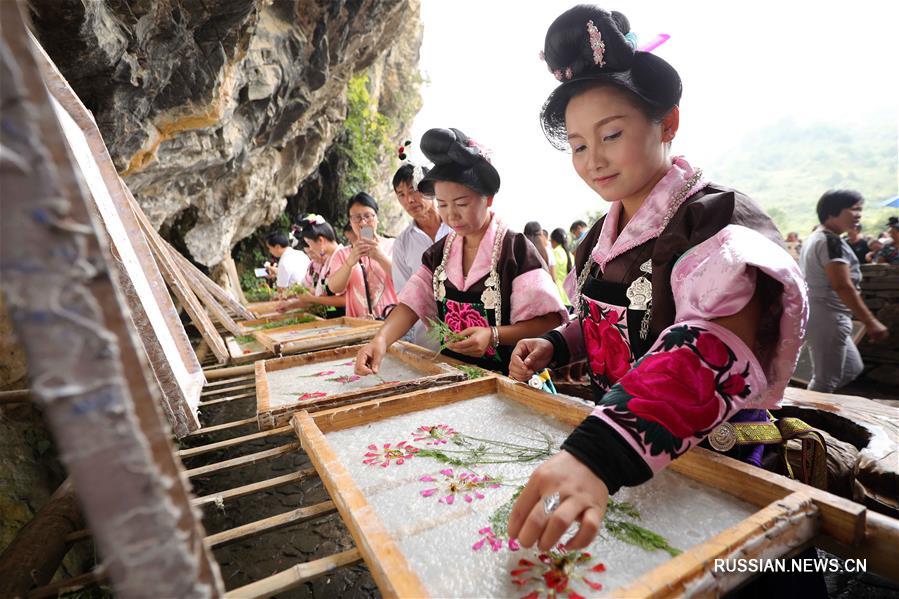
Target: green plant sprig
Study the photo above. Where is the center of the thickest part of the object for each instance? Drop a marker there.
(632, 533)
(439, 332)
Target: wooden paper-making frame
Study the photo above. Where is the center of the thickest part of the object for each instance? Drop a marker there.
(237, 355)
(362, 330)
(433, 374)
(790, 514)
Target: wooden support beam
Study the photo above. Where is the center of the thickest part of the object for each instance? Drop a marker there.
(228, 381)
(296, 516)
(34, 555)
(295, 576)
(243, 460)
(200, 450)
(220, 295)
(264, 485)
(215, 374)
(222, 427)
(244, 387)
(88, 373)
(96, 576)
(202, 292)
(204, 404)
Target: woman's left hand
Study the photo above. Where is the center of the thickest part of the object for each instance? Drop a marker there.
(475, 344)
(582, 497)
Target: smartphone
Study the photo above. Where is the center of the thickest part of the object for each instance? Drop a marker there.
(367, 233)
(260, 272)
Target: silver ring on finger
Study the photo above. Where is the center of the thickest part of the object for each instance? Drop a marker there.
(550, 503)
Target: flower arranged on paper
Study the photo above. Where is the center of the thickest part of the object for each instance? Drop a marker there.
(558, 573)
(389, 453)
(488, 537)
(320, 373)
(350, 363)
(466, 485)
(437, 434)
(344, 379)
(312, 395)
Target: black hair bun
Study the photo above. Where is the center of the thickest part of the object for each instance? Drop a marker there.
(567, 43)
(449, 146)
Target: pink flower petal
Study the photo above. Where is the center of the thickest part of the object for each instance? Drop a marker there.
(428, 492)
(478, 545)
(427, 479)
(450, 499)
(447, 472)
(513, 545)
(485, 530)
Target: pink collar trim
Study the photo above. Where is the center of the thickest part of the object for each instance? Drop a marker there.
(647, 223)
(481, 266)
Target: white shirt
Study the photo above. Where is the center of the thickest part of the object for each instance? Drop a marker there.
(407, 251)
(292, 267)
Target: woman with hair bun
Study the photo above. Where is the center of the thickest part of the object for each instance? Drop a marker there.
(485, 282)
(321, 243)
(688, 310)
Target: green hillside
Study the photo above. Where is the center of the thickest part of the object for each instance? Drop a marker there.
(787, 166)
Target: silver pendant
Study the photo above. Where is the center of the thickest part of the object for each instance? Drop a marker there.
(639, 294)
(441, 292)
(647, 267)
(488, 298)
(441, 276)
(723, 437)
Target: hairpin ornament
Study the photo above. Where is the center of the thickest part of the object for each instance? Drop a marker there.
(596, 43)
(401, 151)
(482, 151)
(316, 219)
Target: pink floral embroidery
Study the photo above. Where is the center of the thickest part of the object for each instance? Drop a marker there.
(460, 316)
(438, 434)
(488, 537)
(558, 573)
(466, 485)
(384, 455)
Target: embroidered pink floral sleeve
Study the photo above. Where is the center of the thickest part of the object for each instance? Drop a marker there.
(699, 374)
(534, 294)
(418, 294)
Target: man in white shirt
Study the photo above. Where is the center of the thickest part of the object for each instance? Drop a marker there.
(425, 230)
(292, 264)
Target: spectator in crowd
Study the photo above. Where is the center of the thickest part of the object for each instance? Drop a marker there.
(363, 272)
(425, 229)
(564, 260)
(292, 264)
(857, 243)
(832, 272)
(874, 246)
(534, 232)
(888, 253)
(321, 242)
(578, 231)
(794, 244)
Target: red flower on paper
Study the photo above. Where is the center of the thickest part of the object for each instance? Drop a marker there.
(438, 434)
(488, 537)
(385, 455)
(607, 350)
(345, 379)
(466, 485)
(712, 350)
(675, 390)
(558, 573)
(460, 316)
(313, 395)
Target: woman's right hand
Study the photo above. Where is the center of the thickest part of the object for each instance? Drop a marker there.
(528, 357)
(876, 331)
(368, 360)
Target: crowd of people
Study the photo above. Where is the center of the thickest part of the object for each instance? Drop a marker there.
(682, 299)
(882, 248)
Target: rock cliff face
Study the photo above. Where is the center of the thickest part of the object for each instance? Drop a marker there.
(216, 111)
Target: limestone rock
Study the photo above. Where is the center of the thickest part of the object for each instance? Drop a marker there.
(221, 109)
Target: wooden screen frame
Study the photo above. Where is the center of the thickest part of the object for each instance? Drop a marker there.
(434, 374)
(362, 331)
(790, 513)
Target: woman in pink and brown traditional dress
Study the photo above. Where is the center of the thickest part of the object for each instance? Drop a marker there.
(485, 282)
(689, 311)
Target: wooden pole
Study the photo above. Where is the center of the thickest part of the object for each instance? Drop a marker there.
(37, 550)
(85, 364)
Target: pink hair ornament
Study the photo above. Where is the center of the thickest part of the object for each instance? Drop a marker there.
(596, 43)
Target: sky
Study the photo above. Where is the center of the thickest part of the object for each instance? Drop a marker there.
(744, 65)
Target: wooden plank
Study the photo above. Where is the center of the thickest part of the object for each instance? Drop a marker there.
(88, 373)
(295, 576)
(218, 391)
(175, 367)
(222, 427)
(362, 331)
(388, 567)
(243, 460)
(224, 298)
(297, 516)
(214, 402)
(878, 548)
(264, 485)
(202, 449)
(229, 372)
